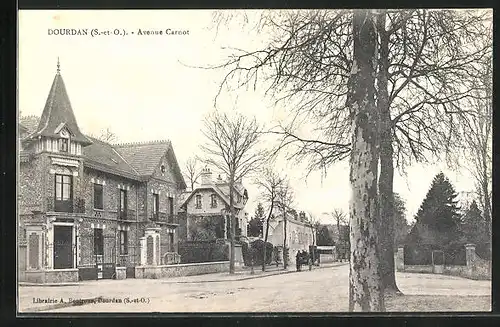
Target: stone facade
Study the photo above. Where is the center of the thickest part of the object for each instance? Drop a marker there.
(62, 229)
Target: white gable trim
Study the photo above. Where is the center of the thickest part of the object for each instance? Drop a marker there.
(59, 128)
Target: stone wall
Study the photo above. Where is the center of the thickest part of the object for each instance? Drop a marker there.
(30, 186)
(475, 268)
(418, 269)
(52, 276)
(165, 190)
(180, 270)
(111, 192)
(325, 258)
(121, 272)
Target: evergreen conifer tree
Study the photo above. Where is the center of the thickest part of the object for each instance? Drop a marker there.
(474, 225)
(439, 212)
(256, 223)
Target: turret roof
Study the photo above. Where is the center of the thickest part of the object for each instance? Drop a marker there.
(58, 113)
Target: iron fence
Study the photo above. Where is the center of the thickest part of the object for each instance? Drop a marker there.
(128, 214)
(77, 205)
(164, 217)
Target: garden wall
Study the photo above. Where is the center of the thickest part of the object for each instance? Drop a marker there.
(180, 270)
(474, 268)
(326, 258)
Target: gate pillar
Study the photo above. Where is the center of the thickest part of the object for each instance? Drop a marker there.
(150, 247)
(35, 247)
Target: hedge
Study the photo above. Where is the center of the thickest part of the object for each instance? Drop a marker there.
(203, 251)
(255, 251)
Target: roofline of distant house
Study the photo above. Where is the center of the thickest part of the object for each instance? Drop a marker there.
(214, 188)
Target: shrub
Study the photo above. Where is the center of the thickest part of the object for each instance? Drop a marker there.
(276, 257)
(417, 255)
(286, 256)
(203, 251)
(246, 254)
(258, 250)
(483, 250)
(253, 253)
(454, 254)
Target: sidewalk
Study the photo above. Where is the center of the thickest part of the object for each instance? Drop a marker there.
(240, 274)
(65, 295)
(244, 274)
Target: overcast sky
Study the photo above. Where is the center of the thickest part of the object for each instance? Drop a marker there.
(143, 89)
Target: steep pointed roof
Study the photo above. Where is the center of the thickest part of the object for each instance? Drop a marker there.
(58, 113)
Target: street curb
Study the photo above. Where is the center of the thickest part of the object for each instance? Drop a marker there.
(27, 284)
(281, 272)
(61, 305)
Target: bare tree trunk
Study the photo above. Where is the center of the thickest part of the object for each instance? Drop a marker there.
(285, 252)
(265, 237)
(386, 178)
(365, 283)
(232, 225)
(486, 196)
(313, 254)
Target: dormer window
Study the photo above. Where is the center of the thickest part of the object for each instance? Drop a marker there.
(162, 169)
(63, 145)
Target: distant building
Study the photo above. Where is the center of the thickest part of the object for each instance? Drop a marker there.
(299, 233)
(207, 210)
(86, 207)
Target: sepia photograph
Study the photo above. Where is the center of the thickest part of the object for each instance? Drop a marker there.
(254, 161)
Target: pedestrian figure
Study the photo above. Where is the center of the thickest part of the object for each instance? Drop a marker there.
(297, 260)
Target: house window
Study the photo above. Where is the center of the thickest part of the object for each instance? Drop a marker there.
(63, 192)
(63, 187)
(213, 201)
(98, 196)
(123, 242)
(162, 169)
(198, 201)
(63, 145)
(98, 241)
(123, 203)
(156, 205)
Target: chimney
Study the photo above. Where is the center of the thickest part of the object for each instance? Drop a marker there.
(206, 176)
(302, 216)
